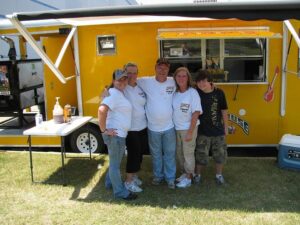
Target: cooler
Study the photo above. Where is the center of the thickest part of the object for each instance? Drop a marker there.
(289, 152)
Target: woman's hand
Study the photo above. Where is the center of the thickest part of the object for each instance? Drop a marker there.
(188, 136)
(111, 132)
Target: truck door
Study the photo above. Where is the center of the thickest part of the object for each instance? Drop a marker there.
(53, 87)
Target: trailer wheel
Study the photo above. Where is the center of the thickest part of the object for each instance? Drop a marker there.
(79, 140)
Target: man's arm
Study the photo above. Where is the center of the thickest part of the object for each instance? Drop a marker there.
(141, 82)
(225, 120)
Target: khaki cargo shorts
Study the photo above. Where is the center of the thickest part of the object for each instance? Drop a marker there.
(218, 148)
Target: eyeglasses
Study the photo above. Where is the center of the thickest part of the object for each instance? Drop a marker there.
(131, 73)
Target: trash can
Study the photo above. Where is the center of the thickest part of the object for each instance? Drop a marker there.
(289, 152)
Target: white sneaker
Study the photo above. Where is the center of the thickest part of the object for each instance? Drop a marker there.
(137, 181)
(185, 182)
(182, 176)
(220, 179)
(132, 187)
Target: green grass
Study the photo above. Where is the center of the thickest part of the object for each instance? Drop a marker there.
(258, 192)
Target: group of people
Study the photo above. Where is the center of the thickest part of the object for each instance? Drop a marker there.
(171, 118)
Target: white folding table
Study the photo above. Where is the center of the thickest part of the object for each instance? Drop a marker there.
(49, 128)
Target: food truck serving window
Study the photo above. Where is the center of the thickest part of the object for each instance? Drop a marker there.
(230, 56)
(244, 60)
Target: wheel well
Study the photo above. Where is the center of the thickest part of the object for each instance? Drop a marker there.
(95, 131)
(95, 126)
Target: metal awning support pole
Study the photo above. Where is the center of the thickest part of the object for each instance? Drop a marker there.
(287, 27)
(293, 32)
(77, 71)
(65, 46)
(296, 37)
(283, 72)
(18, 25)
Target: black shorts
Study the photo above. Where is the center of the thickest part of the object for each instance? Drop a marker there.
(137, 145)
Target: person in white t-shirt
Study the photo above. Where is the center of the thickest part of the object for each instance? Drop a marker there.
(186, 110)
(159, 90)
(114, 115)
(137, 138)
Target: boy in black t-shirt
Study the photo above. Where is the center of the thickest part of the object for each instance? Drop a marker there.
(213, 127)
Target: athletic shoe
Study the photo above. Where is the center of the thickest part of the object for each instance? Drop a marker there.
(137, 181)
(130, 197)
(171, 184)
(132, 187)
(220, 179)
(197, 179)
(156, 181)
(185, 182)
(182, 176)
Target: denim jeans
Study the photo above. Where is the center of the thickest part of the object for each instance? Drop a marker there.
(116, 149)
(163, 151)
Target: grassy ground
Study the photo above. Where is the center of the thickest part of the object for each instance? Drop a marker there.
(258, 192)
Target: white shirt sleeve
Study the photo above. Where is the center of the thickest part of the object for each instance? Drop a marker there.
(141, 82)
(110, 101)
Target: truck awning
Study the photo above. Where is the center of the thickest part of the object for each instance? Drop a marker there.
(216, 34)
(277, 10)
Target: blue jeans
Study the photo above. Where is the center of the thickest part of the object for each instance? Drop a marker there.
(116, 149)
(163, 150)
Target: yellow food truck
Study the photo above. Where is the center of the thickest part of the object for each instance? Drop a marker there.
(250, 48)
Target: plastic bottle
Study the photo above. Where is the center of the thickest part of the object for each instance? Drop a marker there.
(58, 113)
(38, 119)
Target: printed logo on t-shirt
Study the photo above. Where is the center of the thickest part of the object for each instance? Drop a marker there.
(184, 107)
(170, 90)
(142, 94)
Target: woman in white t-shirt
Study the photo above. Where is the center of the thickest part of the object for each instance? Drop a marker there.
(114, 115)
(137, 138)
(186, 110)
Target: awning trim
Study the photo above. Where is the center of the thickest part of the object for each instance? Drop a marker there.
(224, 33)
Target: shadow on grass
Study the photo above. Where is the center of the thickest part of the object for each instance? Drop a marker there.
(78, 173)
(253, 184)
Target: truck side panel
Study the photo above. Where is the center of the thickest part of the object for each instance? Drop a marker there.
(260, 125)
